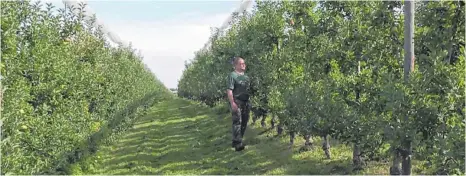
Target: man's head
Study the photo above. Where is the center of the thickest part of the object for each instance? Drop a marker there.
(239, 64)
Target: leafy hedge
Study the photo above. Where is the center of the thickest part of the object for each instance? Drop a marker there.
(336, 68)
(62, 82)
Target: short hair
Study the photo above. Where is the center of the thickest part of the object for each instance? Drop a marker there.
(235, 60)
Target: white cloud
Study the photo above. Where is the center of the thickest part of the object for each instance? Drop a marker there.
(165, 45)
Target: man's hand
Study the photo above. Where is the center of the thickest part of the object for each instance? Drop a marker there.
(234, 107)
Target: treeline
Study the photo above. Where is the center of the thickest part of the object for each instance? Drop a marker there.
(65, 89)
(335, 69)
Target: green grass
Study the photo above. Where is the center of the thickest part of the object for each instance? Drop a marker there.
(182, 137)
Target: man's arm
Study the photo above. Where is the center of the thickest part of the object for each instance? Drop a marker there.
(230, 96)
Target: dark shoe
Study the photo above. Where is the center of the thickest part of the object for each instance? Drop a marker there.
(234, 144)
(239, 147)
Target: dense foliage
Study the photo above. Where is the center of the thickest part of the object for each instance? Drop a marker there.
(62, 84)
(336, 68)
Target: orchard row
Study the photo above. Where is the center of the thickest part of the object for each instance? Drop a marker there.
(64, 88)
(335, 69)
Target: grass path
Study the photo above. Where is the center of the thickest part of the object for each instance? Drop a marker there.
(180, 137)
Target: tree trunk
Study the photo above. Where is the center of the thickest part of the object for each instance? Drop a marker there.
(292, 135)
(395, 168)
(307, 145)
(406, 156)
(272, 122)
(308, 139)
(326, 146)
(357, 160)
(280, 128)
(263, 120)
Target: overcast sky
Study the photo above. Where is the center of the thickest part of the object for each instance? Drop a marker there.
(166, 32)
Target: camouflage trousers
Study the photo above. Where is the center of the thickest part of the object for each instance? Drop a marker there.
(240, 120)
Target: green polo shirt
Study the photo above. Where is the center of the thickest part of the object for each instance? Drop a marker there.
(240, 84)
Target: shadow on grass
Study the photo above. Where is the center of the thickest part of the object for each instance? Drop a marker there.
(181, 137)
(119, 123)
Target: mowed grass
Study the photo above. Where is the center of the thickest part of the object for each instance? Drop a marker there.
(182, 137)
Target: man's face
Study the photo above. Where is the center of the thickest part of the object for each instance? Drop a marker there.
(241, 65)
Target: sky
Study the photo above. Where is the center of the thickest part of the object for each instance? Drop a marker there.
(166, 32)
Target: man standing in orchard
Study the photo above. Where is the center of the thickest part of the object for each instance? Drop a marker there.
(238, 90)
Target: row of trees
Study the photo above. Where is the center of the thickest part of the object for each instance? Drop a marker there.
(64, 87)
(336, 69)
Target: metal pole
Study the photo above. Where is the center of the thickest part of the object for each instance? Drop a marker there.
(408, 68)
(408, 37)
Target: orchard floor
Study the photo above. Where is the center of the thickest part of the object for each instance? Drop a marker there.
(182, 137)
